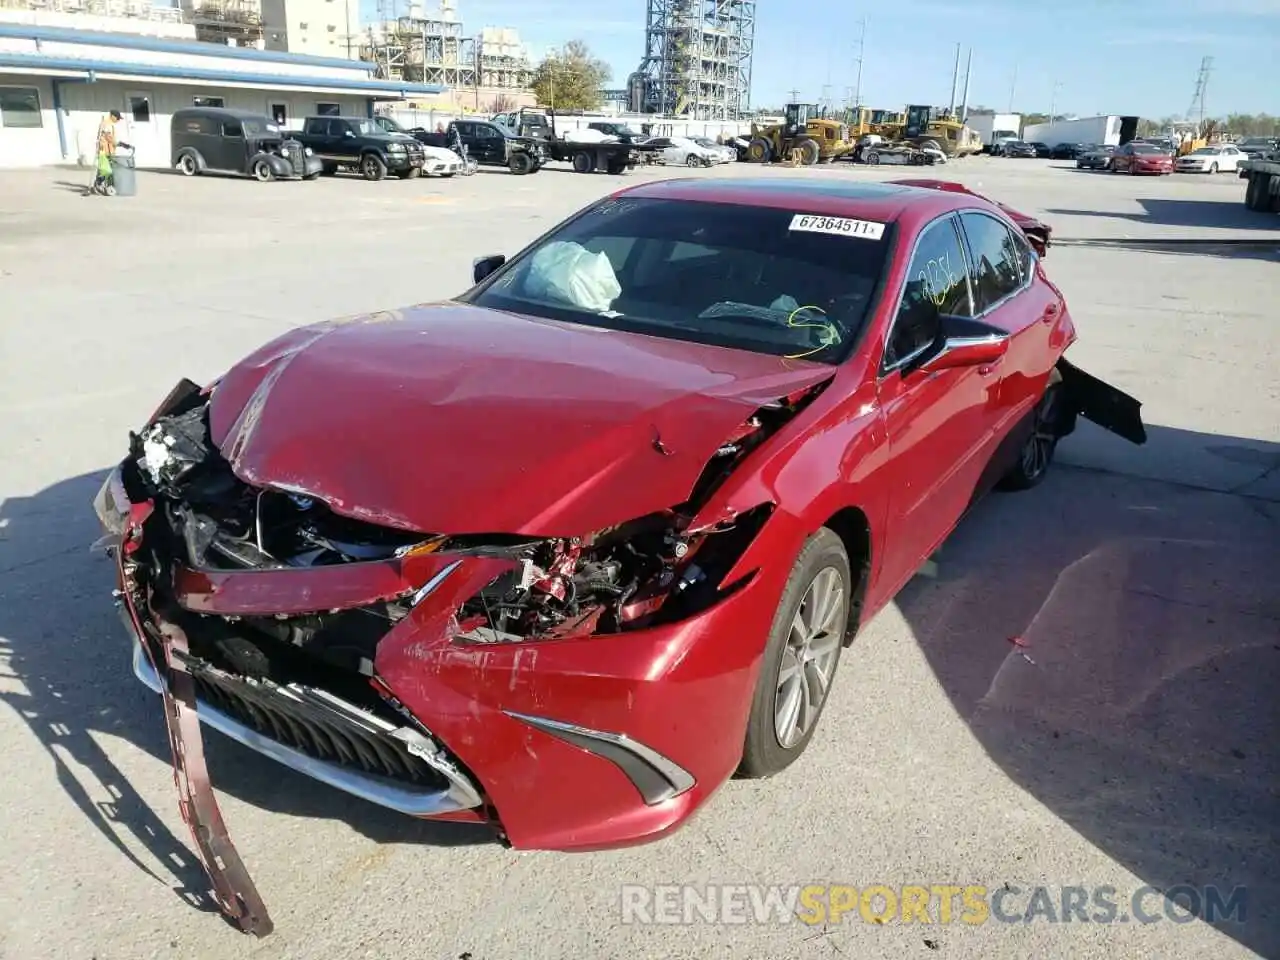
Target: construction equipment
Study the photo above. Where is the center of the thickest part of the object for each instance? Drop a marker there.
(805, 137)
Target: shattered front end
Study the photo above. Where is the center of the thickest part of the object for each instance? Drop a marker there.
(572, 692)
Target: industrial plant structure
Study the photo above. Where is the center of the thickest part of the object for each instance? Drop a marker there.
(434, 48)
(697, 59)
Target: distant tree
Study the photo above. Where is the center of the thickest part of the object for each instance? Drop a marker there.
(571, 79)
(1030, 119)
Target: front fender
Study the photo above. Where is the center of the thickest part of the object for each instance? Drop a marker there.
(278, 164)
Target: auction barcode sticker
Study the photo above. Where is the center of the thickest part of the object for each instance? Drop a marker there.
(838, 226)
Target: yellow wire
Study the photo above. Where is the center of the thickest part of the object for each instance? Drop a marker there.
(826, 326)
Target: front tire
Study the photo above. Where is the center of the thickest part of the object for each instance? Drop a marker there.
(372, 168)
(1036, 455)
(411, 174)
(583, 162)
(521, 164)
(262, 172)
(1213, 168)
(800, 658)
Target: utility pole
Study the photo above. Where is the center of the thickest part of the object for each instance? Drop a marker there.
(1053, 103)
(955, 82)
(795, 96)
(964, 98)
(1013, 87)
(862, 43)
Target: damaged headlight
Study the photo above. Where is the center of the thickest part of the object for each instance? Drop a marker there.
(112, 505)
(641, 573)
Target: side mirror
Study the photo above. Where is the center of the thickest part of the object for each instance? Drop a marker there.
(483, 266)
(966, 343)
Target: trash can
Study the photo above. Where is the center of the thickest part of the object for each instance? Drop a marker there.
(124, 175)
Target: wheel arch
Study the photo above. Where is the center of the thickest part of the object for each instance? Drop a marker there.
(853, 527)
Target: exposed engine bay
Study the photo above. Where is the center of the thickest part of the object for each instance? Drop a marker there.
(649, 570)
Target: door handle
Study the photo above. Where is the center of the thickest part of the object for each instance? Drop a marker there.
(987, 369)
(1050, 312)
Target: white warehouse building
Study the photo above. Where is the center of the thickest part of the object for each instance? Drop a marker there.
(57, 83)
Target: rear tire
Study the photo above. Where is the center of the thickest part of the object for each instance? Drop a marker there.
(583, 162)
(800, 657)
(188, 165)
(616, 167)
(1036, 455)
(808, 151)
(1213, 168)
(873, 158)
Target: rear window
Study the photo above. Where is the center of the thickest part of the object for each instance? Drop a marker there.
(722, 274)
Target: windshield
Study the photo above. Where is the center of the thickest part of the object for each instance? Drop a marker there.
(260, 128)
(723, 274)
(390, 125)
(1205, 152)
(1146, 148)
(366, 128)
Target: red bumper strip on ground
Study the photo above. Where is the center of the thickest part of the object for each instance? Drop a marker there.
(233, 889)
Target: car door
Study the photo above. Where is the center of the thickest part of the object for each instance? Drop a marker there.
(1120, 159)
(488, 144)
(1230, 158)
(1008, 295)
(231, 151)
(938, 423)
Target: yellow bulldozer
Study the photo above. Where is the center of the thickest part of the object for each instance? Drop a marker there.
(805, 137)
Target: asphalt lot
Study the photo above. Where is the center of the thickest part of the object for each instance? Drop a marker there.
(1133, 745)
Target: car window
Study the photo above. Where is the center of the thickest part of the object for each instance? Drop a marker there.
(730, 275)
(936, 285)
(232, 128)
(995, 270)
(464, 129)
(337, 128)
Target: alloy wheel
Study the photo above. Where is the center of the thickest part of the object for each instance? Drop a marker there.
(808, 661)
(1037, 452)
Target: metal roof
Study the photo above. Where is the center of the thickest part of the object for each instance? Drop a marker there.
(385, 89)
(128, 41)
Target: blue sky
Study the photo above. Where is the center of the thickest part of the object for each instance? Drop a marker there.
(1123, 56)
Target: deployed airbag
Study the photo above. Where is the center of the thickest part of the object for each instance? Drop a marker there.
(570, 272)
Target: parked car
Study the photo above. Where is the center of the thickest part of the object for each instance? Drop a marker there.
(1096, 157)
(361, 144)
(211, 139)
(1138, 157)
(1212, 159)
(436, 161)
(723, 153)
(1017, 148)
(624, 132)
(683, 151)
(1043, 150)
(1068, 151)
(759, 407)
(1259, 148)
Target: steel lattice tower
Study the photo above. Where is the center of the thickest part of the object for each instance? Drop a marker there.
(697, 59)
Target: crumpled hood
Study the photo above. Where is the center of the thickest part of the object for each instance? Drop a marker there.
(452, 419)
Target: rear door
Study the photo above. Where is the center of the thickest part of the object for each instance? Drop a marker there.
(231, 150)
(1008, 294)
(938, 423)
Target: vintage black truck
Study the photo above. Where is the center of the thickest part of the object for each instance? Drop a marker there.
(360, 144)
(586, 156)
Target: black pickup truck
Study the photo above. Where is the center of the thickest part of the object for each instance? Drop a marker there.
(490, 145)
(361, 144)
(586, 156)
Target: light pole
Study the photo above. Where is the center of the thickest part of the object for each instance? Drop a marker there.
(1053, 103)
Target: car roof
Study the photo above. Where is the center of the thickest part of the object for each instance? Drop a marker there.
(883, 202)
(224, 113)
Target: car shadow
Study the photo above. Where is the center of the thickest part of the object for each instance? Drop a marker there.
(65, 671)
(1220, 213)
(1113, 643)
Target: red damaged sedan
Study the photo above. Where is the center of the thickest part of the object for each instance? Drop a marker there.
(567, 552)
